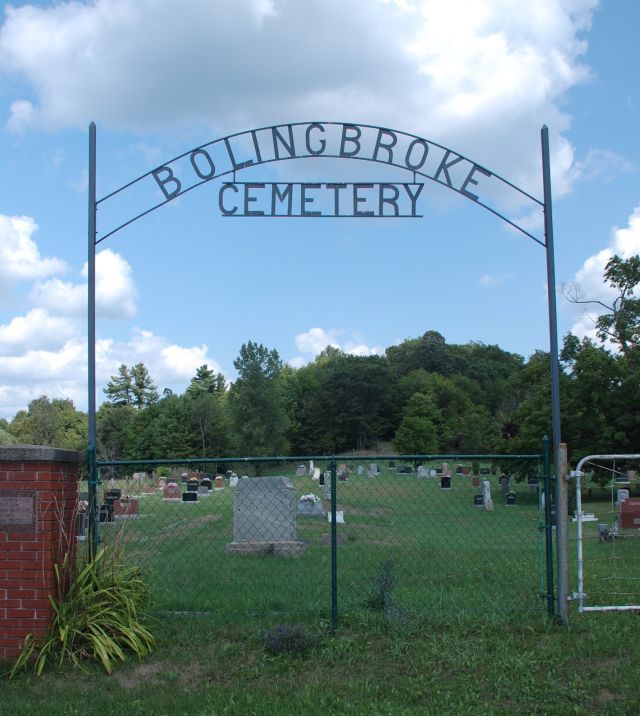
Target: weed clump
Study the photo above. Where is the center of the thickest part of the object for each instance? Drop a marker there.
(384, 581)
(286, 639)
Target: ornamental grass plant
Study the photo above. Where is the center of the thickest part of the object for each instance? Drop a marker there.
(98, 614)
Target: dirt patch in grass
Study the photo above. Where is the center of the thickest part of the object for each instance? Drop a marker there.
(207, 518)
(142, 674)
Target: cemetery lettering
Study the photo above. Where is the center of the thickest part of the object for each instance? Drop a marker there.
(320, 139)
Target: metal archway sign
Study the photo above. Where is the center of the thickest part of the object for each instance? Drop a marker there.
(423, 159)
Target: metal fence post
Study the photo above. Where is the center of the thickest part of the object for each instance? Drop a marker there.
(548, 527)
(334, 547)
(562, 528)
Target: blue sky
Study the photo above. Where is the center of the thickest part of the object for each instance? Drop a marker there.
(185, 286)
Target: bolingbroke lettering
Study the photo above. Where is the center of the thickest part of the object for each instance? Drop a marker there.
(470, 180)
(288, 146)
(211, 167)
(353, 139)
(387, 146)
(425, 152)
(323, 142)
(168, 179)
(445, 166)
(235, 165)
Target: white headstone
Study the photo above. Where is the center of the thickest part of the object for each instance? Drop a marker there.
(487, 502)
(422, 471)
(360, 470)
(316, 473)
(233, 480)
(310, 465)
(339, 517)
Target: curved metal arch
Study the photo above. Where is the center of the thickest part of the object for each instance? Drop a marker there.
(447, 159)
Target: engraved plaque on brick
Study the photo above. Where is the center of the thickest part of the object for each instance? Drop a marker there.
(18, 510)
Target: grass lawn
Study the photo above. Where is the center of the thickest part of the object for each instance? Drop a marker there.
(467, 634)
(369, 666)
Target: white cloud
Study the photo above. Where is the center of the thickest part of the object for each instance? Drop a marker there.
(38, 329)
(625, 243)
(21, 116)
(20, 258)
(44, 352)
(482, 75)
(115, 290)
(315, 340)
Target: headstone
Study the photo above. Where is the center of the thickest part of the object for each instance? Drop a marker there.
(326, 490)
(445, 482)
(106, 512)
(206, 482)
(438, 471)
(184, 477)
(192, 485)
(510, 499)
(487, 502)
(485, 471)
(301, 471)
(171, 492)
(343, 472)
(339, 517)
(264, 518)
(218, 483)
(190, 497)
(422, 472)
(139, 476)
(233, 481)
(477, 500)
(310, 507)
(316, 473)
(374, 471)
(113, 493)
(311, 467)
(203, 491)
(446, 470)
(194, 476)
(433, 473)
(360, 470)
(504, 484)
(126, 509)
(459, 470)
(405, 470)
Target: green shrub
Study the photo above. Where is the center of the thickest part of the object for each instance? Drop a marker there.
(98, 616)
(384, 581)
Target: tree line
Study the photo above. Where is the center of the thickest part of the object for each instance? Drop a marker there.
(423, 396)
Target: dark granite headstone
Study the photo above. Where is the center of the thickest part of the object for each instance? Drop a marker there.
(190, 496)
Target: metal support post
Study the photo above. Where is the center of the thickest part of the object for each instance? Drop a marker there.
(561, 501)
(548, 527)
(91, 345)
(334, 547)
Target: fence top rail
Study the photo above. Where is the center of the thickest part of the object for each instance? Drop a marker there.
(298, 458)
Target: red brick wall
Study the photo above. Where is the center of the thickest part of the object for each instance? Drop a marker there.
(29, 551)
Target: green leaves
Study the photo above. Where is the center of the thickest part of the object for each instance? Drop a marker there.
(99, 616)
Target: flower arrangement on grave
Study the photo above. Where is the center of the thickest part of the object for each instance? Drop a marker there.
(126, 499)
(82, 506)
(313, 499)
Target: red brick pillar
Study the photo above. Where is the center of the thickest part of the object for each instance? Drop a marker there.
(38, 496)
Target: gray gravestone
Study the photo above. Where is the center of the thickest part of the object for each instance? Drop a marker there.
(422, 472)
(264, 518)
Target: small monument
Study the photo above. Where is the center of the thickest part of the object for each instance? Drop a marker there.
(218, 483)
(264, 518)
(171, 492)
(487, 502)
(301, 471)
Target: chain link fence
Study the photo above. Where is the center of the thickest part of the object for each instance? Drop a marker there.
(314, 538)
